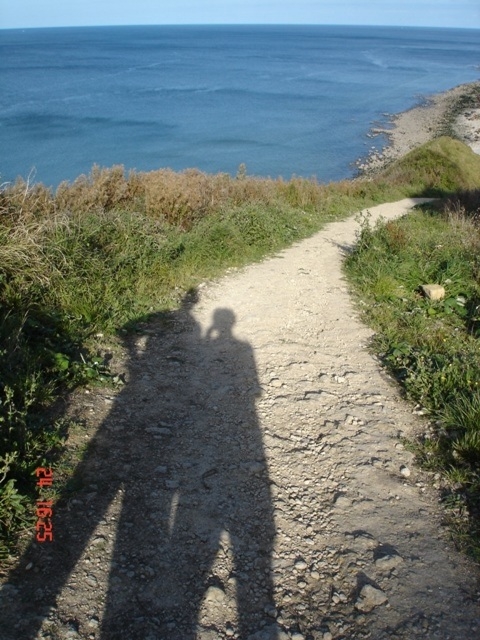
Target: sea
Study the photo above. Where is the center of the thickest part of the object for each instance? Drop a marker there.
(281, 100)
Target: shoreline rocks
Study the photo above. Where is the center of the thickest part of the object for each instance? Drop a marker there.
(407, 130)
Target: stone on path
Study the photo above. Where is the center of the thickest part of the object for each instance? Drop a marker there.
(369, 598)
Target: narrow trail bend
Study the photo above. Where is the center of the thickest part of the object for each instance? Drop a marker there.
(246, 483)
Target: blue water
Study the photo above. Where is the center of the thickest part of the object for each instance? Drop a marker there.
(282, 99)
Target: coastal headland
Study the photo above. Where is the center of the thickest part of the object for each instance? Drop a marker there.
(454, 112)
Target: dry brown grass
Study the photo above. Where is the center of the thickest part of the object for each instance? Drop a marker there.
(25, 201)
(184, 197)
(102, 190)
(177, 198)
(181, 198)
(21, 255)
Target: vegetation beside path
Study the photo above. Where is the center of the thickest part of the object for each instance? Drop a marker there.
(432, 347)
(101, 254)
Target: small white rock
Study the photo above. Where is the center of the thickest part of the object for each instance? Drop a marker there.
(386, 563)
(276, 383)
(343, 502)
(369, 598)
(433, 291)
(215, 595)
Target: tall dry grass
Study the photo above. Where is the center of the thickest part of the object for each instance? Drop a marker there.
(177, 198)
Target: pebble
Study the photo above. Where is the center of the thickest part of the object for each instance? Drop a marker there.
(91, 581)
(369, 598)
(342, 502)
(405, 471)
(271, 611)
(161, 469)
(215, 595)
(276, 383)
(338, 597)
(255, 468)
(386, 563)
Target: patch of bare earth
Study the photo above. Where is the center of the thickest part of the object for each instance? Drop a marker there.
(249, 482)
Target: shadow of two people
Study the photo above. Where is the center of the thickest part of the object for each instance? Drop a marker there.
(181, 455)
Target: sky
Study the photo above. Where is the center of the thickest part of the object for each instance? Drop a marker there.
(62, 13)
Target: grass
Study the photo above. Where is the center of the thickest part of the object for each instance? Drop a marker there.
(432, 348)
(103, 253)
(442, 166)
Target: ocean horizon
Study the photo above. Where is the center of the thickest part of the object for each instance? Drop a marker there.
(282, 100)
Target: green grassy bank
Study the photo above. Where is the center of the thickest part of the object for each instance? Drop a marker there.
(432, 347)
(101, 254)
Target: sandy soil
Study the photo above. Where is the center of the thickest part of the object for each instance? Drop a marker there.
(249, 481)
(414, 127)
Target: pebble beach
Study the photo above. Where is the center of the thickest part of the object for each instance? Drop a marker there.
(407, 130)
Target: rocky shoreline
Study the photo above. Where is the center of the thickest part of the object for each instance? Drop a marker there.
(437, 115)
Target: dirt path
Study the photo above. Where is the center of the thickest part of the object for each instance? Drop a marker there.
(249, 482)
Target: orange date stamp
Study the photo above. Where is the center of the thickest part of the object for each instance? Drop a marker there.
(44, 527)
